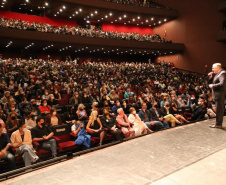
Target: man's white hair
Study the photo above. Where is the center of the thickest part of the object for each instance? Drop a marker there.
(217, 64)
(119, 110)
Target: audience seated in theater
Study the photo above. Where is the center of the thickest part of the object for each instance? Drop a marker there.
(123, 122)
(95, 127)
(56, 94)
(109, 122)
(5, 145)
(138, 125)
(21, 140)
(180, 102)
(24, 106)
(43, 134)
(53, 118)
(78, 128)
(13, 109)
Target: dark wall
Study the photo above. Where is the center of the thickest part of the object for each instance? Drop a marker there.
(196, 27)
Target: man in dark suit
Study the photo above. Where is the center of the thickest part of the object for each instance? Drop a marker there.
(218, 86)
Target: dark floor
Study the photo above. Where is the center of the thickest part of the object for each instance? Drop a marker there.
(136, 162)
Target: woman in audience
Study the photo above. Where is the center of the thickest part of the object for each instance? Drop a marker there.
(173, 110)
(125, 107)
(11, 123)
(44, 108)
(53, 118)
(110, 123)
(30, 121)
(70, 116)
(52, 101)
(169, 118)
(21, 140)
(139, 126)
(57, 95)
(46, 95)
(94, 127)
(74, 100)
(81, 113)
(78, 128)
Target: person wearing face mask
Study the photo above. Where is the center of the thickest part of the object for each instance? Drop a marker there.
(180, 102)
(139, 126)
(21, 140)
(52, 101)
(4, 149)
(53, 118)
(30, 120)
(34, 107)
(125, 107)
(173, 110)
(75, 99)
(200, 110)
(165, 113)
(46, 95)
(78, 128)
(57, 95)
(24, 106)
(44, 108)
(43, 134)
(11, 123)
(12, 108)
(110, 123)
(116, 107)
(81, 113)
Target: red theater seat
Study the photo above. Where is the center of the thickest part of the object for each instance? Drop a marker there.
(63, 138)
(63, 102)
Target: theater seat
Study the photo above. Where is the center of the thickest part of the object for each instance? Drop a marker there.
(41, 152)
(95, 140)
(187, 112)
(63, 138)
(63, 102)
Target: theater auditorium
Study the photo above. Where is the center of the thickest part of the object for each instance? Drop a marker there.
(112, 92)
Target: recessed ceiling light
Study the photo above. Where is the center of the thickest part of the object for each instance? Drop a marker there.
(2, 6)
(91, 14)
(4, 0)
(120, 18)
(80, 9)
(64, 7)
(70, 17)
(124, 23)
(73, 15)
(138, 17)
(31, 10)
(47, 4)
(160, 22)
(58, 12)
(106, 16)
(76, 12)
(96, 12)
(165, 20)
(55, 15)
(110, 14)
(146, 20)
(124, 16)
(133, 19)
(152, 18)
(61, 10)
(27, 1)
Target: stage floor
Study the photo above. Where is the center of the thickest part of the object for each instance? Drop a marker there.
(185, 155)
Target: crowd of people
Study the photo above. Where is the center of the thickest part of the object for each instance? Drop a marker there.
(144, 3)
(79, 31)
(122, 99)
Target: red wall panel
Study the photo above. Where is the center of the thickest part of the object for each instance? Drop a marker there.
(33, 18)
(123, 28)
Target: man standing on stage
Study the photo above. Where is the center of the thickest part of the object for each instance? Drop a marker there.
(218, 86)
